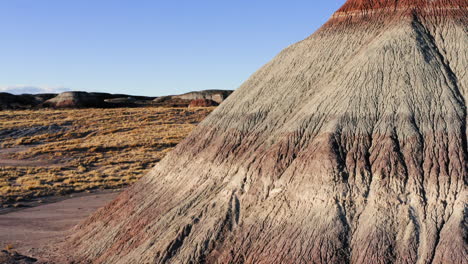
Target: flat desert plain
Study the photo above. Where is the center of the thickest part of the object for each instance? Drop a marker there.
(58, 166)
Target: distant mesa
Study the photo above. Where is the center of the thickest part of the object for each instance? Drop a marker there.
(75, 100)
(217, 96)
(40, 98)
(162, 99)
(25, 101)
(96, 100)
(80, 99)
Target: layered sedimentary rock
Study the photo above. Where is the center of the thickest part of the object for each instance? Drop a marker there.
(75, 100)
(206, 97)
(217, 96)
(99, 100)
(202, 103)
(349, 147)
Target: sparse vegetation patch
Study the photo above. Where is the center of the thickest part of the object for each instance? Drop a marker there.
(57, 152)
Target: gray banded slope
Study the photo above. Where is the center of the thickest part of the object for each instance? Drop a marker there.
(348, 147)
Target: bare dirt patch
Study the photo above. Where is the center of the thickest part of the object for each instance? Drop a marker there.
(39, 230)
(32, 162)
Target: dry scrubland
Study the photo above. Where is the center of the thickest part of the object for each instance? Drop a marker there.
(57, 152)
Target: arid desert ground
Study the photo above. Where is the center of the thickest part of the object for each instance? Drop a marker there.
(58, 152)
(348, 147)
(58, 166)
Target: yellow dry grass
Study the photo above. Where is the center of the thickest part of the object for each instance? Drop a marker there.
(65, 151)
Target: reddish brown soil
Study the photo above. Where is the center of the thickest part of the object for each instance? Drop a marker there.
(202, 103)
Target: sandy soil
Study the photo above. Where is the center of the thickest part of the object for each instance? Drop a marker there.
(35, 231)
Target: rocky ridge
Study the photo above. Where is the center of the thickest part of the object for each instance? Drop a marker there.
(217, 96)
(202, 103)
(78, 99)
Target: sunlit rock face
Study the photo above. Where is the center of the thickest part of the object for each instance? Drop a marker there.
(348, 147)
(217, 96)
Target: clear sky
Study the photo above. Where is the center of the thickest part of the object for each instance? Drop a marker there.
(147, 47)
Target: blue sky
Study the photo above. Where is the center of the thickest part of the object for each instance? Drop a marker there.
(147, 47)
